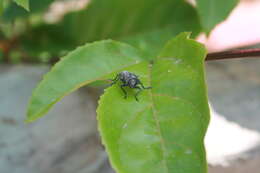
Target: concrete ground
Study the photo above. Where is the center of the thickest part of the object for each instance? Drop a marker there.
(66, 140)
(234, 93)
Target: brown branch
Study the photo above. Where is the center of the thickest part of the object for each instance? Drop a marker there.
(242, 53)
(239, 53)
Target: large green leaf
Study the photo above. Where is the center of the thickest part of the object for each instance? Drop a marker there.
(23, 3)
(164, 132)
(213, 12)
(116, 18)
(82, 66)
(187, 51)
(146, 24)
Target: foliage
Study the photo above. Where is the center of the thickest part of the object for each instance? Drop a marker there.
(86, 64)
(1, 6)
(145, 24)
(214, 11)
(20, 9)
(23, 3)
(147, 27)
(163, 132)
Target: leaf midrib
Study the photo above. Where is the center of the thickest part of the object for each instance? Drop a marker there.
(156, 119)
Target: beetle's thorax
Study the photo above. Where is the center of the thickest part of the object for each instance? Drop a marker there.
(126, 76)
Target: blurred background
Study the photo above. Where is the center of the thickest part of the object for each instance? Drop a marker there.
(66, 140)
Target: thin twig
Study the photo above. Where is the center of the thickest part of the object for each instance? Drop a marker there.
(242, 53)
(239, 53)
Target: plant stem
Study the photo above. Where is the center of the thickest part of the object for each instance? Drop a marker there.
(238, 53)
(242, 53)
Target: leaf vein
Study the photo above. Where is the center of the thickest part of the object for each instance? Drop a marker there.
(157, 121)
(178, 98)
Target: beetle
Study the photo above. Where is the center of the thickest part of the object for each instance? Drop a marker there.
(131, 80)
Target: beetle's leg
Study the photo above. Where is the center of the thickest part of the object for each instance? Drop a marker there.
(138, 92)
(144, 86)
(114, 80)
(122, 87)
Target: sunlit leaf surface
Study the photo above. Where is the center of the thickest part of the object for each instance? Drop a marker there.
(164, 132)
(80, 67)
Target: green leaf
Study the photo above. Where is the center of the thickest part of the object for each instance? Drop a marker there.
(23, 3)
(80, 67)
(183, 50)
(14, 11)
(164, 132)
(128, 18)
(1, 6)
(145, 24)
(213, 12)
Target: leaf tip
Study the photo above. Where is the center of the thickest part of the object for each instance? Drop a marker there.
(25, 4)
(27, 121)
(185, 35)
(29, 117)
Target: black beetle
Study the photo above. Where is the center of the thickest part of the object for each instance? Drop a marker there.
(131, 80)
